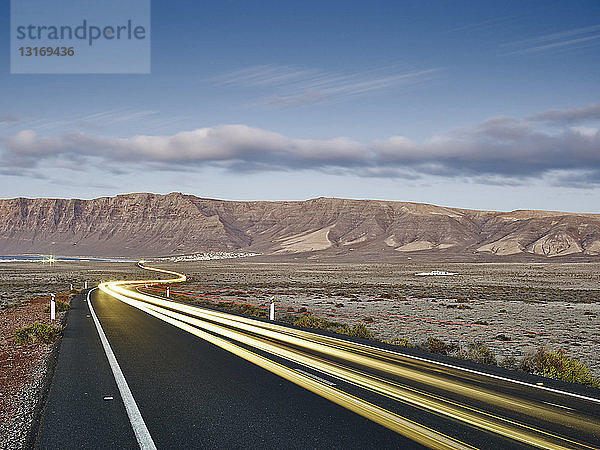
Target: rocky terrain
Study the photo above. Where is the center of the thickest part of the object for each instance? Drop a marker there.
(142, 225)
(23, 370)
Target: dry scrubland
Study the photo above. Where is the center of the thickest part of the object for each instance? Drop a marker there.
(20, 281)
(511, 308)
(26, 345)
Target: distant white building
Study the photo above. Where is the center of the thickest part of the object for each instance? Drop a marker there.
(435, 273)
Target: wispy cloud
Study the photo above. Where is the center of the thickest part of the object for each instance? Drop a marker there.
(95, 121)
(500, 150)
(117, 115)
(564, 40)
(482, 24)
(265, 75)
(570, 115)
(289, 86)
(8, 119)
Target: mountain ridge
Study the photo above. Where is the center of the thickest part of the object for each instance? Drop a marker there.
(145, 225)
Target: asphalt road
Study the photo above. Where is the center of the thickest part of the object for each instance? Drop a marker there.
(190, 393)
(194, 394)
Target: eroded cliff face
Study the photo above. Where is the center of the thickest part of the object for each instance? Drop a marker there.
(137, 225)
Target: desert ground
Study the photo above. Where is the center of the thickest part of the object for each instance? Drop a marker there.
(21, 281)
(510, 307)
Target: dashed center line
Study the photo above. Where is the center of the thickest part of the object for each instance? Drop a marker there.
(315, 377)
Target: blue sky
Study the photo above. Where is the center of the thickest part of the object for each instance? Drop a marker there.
(491, 105)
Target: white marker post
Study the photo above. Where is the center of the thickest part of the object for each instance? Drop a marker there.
(168, 292)
(71, 287)
(85, 285)
(52, 307)
(272, 309)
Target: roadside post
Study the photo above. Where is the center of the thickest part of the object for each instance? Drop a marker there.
(71, 287)
(52, 307)
(85, 285)
(272, 309)
(168, 292)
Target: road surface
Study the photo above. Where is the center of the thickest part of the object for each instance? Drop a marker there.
(190, 377)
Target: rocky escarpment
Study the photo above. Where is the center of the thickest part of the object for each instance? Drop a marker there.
(137, 225)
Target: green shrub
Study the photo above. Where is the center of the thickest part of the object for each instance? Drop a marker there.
(480, 353)
(508, 362)
(556, 364)
(310, 321)
(400, 342)
(37, 332)
(359, 330)
(435, 345)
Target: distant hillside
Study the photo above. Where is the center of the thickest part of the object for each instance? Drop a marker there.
(142, 225)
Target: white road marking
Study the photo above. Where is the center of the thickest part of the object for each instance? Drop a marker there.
(135, 417)
(322, 380)
(559, 406)
(108, 398)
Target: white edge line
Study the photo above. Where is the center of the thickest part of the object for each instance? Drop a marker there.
(135, 417)
(451, 366)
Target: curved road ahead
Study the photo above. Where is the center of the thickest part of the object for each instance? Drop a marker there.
(170, 375)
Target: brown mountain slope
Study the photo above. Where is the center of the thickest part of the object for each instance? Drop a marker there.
(159, 225)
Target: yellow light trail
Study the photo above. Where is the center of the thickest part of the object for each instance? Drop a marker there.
(276, 339)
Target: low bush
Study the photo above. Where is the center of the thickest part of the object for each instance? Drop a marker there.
(556, 364)
(244, 308)
(435, 345)
(359, 330)
(36, 333)
(508, 362)
(310, 321)
(400, 342)
(60, 306)
(480, 353)
(502, 337)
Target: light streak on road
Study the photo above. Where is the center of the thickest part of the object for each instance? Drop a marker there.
(423, 384)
